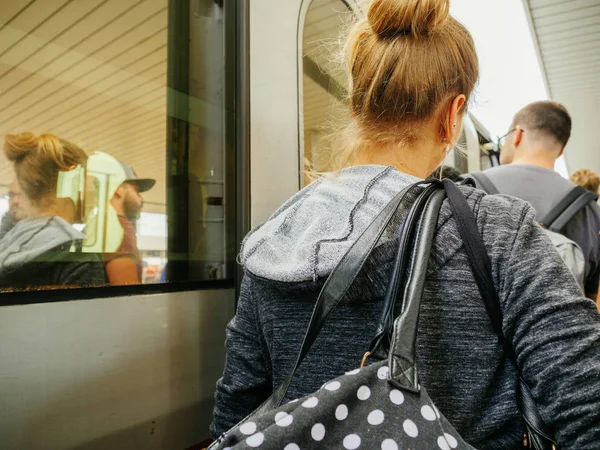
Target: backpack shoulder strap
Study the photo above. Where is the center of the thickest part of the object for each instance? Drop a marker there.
(539, 433)
(558, 217)
(484, 183)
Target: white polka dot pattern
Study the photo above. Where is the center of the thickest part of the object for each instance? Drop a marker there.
(255, 440)
(367, 409)
(341, 412)
(375, 417)
(383, 372)
(410, 428)
(451, 440)
(353, 372)
(389, 444)
(442, 443)
(352, 442)
(333, 386)
(396, 397)
(318, 432)
(428, 413)
(248, 428)
(284, 419)
(311, 402)
(363, 393)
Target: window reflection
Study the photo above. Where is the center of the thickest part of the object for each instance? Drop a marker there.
(96, 77)
(324, 94)
(12, 208)
(42, 249)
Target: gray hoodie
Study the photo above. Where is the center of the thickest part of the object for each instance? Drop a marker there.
(6, 224)
(36, 252)
(554, 330)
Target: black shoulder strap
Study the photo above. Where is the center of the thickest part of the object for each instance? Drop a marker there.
(484, 183)
(478, 259)
(567, 208)
(539, 433)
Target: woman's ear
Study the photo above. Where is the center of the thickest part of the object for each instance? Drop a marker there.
(453, 122)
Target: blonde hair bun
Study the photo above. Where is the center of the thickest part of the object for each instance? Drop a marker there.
(18, 146)
(37, 160)
(391, 18)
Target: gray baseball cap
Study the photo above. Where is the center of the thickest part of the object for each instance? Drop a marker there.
(143, 184)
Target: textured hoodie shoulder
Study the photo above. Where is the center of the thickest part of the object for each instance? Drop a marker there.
(310, 233)
(31, 238)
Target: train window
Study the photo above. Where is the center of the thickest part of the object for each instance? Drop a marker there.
(118, 135)
(324, 98)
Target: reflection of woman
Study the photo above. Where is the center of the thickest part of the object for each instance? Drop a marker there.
(412, 70)
(36, 252)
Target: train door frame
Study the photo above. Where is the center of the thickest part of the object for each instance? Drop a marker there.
(273, 105)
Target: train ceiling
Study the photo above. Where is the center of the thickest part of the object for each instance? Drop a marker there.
(568, 38)
(91, 71)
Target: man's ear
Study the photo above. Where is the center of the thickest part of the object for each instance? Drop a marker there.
(120, 192)
(518, 136)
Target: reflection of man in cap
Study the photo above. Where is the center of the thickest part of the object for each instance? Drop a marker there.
(125, 265)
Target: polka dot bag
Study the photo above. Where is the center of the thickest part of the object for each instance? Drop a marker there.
(358, 410)
(380, 406)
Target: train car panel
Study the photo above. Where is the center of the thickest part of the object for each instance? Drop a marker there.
(115, 373)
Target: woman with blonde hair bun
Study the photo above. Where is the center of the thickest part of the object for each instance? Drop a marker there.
(412, 69)
(36, 252)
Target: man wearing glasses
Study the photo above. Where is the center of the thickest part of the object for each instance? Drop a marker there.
(537, 137)
(16, 210)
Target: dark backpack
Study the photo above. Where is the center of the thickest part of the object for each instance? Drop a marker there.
(555, 221)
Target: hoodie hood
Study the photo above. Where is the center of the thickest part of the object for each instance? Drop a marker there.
(33, 237)
(307, 237)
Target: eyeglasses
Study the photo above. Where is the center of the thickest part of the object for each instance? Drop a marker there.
(11, 195)
(502, 138)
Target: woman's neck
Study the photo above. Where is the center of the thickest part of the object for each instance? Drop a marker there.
(67, 214)
(418, 160)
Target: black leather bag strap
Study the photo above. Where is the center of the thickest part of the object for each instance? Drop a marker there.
(479, 261)
(402, 358)
(337, 285)
(484, 183)
(379, 347)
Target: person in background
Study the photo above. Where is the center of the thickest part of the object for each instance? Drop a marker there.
(536, 139)
(125, 265)
(36, 252)
(589, 180)
(586, 178)
(16, 209)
